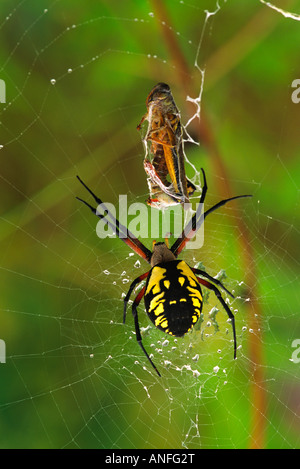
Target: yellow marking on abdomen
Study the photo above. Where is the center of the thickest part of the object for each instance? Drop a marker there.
(157, 274)
(159, 309)
(181, 280)
(161, 321)
(195, 292)
(155, 301)
(188, 273)
(196, 302)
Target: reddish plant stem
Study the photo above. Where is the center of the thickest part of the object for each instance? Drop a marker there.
(204, 133)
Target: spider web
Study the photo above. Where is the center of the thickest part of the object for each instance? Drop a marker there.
(76, 78)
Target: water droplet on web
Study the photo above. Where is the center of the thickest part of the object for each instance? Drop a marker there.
(52, 81)
(137, 264)
(70, 70)
(106, 272)
(216, 369)
(1, 146)
(151, 14)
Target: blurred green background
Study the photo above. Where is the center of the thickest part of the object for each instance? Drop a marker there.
(77, 75)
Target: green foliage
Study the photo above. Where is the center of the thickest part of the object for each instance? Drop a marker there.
(75, 376)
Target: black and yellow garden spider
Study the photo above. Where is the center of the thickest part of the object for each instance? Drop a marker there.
(172, 293)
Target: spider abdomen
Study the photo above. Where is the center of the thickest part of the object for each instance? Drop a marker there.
(173, 297)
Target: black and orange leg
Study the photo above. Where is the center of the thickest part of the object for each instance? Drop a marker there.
(121, 231)
(198, 219)
(212, 279)
(131, 288)
(137, 327)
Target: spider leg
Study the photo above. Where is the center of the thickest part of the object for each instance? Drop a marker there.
(194, 224)
(204, 188)
(121, 231)
(212, 287)
(131, 288)
(181, 241)
(212, 279)
(137, 327)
